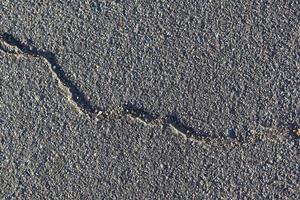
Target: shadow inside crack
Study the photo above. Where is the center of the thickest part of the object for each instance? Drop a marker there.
(137, 112)
(79, 98)
(187, 130)
(77, 95)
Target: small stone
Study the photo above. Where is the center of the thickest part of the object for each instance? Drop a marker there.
(298, 132)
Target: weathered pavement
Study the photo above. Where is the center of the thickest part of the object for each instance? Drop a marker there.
(168, 100)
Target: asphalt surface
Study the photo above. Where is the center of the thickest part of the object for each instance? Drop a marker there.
(139, 100)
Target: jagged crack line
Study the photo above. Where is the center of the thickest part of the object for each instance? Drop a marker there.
(188, 131)
(85, 106)
(134, 112)
(77, 96)
(171, 121)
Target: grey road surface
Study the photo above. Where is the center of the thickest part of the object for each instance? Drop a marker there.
(162, 99)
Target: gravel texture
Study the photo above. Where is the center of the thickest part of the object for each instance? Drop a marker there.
(213, 89)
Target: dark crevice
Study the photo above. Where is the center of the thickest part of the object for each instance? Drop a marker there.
(187, 130)
(135, 112)
(79, 98)
(85, 106)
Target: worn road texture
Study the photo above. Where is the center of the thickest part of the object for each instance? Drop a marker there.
(164, 99)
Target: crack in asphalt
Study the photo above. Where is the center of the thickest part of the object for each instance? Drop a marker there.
(11, 45)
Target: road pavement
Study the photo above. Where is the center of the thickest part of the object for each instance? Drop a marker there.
(139, 100)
